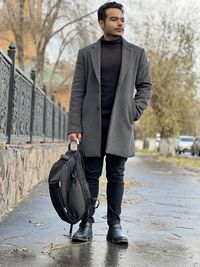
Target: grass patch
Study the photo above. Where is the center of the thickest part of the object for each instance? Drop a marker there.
(147, 152)
(178, 160)
(185, 162)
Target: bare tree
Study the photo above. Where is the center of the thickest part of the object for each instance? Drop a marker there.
(45, 20)
(58, 17)
(74, 36)
(42, 31)
(13, 14)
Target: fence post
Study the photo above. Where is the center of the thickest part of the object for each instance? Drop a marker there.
(11, 54)
(53, 118)
(59, 122)
(64, 125)
(33, 77)
(44, 88)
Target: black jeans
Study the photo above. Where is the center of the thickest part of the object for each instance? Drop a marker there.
(115, 167)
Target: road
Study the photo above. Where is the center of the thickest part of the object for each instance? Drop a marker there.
(161, 217)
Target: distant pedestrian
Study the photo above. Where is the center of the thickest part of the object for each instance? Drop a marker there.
(103, 109)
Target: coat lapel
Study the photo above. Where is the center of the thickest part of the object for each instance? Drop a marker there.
(96, 58)
(126, 59)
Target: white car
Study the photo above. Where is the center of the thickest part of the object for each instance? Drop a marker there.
(184, 144)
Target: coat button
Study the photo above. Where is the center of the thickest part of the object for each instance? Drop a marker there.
(98, 108)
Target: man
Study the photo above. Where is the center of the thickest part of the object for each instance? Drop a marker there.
(103, 109)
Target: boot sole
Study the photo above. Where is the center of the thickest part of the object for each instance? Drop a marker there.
(79, 239)
(120, 242)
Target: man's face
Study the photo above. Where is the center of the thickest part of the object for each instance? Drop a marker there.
(113, 26)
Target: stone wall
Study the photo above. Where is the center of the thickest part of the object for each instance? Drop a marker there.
(22, 167)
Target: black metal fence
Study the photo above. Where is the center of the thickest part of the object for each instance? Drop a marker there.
(26, 113)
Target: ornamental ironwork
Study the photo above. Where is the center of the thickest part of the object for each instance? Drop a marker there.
(26, 113)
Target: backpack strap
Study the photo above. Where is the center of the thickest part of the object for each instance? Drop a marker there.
(71, 229)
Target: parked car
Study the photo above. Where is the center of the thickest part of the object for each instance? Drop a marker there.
(195, 148)
(184, 144)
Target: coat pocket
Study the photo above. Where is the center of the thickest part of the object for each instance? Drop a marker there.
(132, 109)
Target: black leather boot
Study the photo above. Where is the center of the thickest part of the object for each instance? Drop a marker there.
(84, 233)
(115, 235)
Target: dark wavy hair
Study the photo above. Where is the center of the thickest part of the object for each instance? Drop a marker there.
(101, 13)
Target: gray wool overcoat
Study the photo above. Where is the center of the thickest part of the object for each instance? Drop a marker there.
(132, 95)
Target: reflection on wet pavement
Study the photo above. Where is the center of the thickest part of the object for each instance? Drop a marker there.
(161, 218)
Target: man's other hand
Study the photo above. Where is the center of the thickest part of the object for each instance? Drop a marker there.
(74, 136)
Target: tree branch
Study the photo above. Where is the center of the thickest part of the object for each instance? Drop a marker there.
(72, 22)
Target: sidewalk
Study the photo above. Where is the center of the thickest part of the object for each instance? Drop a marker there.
(162, 231)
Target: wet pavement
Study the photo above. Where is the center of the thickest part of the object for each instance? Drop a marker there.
(161, 218)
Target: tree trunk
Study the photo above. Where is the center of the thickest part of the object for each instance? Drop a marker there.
(20, 51)
(167, 147)
(20, 38)
(39, 66)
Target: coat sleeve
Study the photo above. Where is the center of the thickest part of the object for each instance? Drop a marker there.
(143, 85)
(77, 95)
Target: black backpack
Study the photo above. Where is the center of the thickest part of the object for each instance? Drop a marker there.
(68, 188)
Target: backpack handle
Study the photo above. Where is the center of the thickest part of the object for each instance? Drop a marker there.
(73, 145)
